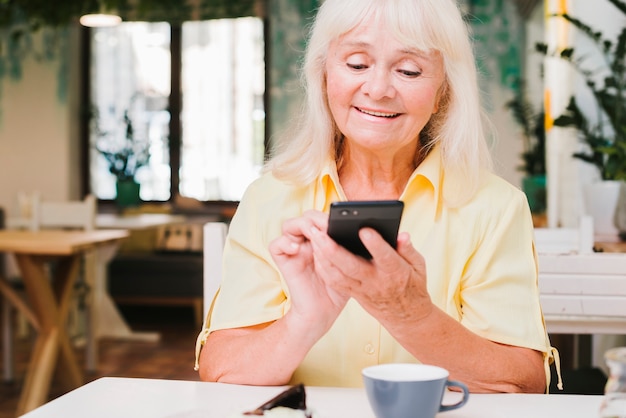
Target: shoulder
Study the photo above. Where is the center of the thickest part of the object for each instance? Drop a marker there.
(267, 203)
(497, 194)
(494, 183)
(270, 193)
(501, 210)
(497, 204)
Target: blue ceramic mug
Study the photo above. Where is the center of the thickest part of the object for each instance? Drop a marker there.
(399, 390)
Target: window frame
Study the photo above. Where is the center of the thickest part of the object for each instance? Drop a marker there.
(174, 106)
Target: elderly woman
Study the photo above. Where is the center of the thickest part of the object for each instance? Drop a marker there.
(392, 112)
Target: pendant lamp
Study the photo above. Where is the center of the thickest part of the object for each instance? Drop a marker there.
(102, 18)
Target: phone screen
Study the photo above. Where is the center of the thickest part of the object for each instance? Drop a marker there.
(347, 218)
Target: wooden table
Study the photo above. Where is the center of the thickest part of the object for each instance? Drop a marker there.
(610, 247)
(130, 398)
(49, 291)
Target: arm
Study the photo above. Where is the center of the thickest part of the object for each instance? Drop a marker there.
(484, 365)
(392, 288)
(268, 353)
(265, 354)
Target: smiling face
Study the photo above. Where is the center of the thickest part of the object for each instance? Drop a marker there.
(381, 93)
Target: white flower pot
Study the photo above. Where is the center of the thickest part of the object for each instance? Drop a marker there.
(600, 200)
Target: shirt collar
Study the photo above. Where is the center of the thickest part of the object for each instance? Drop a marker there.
(430, 171)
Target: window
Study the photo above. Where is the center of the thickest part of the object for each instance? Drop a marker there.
(194, 96)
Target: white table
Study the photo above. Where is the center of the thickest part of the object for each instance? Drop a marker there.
(106, 320)
(110, 323)
(129, 397)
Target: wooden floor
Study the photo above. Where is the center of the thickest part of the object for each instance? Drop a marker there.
(170, 358)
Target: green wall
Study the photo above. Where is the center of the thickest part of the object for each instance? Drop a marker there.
(289, 21)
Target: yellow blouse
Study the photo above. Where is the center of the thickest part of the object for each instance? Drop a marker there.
(480, 258)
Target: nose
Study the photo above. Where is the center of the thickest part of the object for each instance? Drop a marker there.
(379, 84)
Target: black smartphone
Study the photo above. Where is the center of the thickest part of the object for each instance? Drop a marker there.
(347, 218)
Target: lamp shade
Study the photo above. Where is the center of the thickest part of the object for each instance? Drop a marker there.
(102, 18)
(96, 20)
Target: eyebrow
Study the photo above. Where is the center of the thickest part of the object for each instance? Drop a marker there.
(409, 51)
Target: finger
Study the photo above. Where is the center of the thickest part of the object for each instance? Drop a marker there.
(286, 245)
(407, 251)
(382, 253)
(295, 228)
(335, 263)
(319, 219)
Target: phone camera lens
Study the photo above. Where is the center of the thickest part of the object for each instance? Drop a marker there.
(345, 212)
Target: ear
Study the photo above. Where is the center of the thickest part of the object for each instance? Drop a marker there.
(441, 96)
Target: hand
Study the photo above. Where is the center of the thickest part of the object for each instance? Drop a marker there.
(391, 286)
(312, 300)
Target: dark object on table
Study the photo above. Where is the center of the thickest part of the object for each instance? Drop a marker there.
(294, 398)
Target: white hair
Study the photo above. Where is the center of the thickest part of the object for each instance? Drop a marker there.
(458, 126)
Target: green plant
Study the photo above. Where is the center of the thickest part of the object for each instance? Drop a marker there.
(532, 123)
(20, 19)
(125, 153)
(605, 137)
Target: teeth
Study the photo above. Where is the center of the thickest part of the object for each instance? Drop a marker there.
(379, 114)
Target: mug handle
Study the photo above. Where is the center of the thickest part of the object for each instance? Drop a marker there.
(454, 383)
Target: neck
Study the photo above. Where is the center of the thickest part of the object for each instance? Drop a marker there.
(367, 177)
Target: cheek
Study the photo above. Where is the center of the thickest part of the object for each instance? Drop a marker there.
(426, 100)
(335, 95)
(339, 86)
(333, 87)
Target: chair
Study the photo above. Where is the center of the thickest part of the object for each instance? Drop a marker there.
(213, 240)
(566, 240)
(214, 237)
(35, 213)
(66, 215)
(38, 214)
(581, 291)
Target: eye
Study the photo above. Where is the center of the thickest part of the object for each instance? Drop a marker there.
(356, 66)
(409, 73)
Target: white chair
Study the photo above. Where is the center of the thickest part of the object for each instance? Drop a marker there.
(581, 291)
(214, 237)
(213, 240)
(67, 215)
(566, 240)
(36, 214)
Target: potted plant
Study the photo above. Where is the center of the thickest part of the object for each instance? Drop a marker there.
(534, 154)
(125, 153)
(604, 137)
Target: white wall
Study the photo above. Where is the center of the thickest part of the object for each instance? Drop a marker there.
(566, 175)
(39, 144)
(509, 143)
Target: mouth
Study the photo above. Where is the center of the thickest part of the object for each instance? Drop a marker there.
(378, 114)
